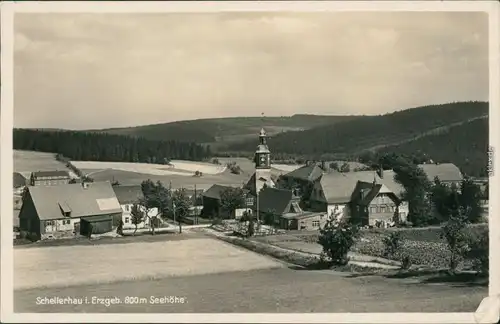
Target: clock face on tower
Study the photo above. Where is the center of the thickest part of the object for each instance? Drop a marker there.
(263, 160)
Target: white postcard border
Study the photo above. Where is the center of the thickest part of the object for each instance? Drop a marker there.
(487, 312)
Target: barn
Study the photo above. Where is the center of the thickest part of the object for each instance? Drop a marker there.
(69, 209)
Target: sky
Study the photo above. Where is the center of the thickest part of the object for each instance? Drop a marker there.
(89, 71)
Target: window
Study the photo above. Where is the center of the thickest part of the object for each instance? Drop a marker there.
(373, 210)
(249, 201)
(127, 207)
(315, 224)
(127, 220)
(49, 223)
(382, 209)
(66, 221)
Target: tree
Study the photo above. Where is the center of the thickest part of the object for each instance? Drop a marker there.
(155, 195)
(181, 204)
(416, 185)
(337, 238)
(440, 197)
(231, 199)
(470, 199)
(334, 166)
(454, 231)
(137, 215)
(119, 228)
(345, 167)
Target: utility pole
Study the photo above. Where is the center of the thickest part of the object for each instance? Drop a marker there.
(195, 207)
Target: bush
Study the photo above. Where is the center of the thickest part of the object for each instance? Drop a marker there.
(478, 253)
(392, 243)
(337, 238)
(406, 262)
(234, 168)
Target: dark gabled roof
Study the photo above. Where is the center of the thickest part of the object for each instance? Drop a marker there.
(97, 199)
(128, 194)
(308, 173)
(365, 192)
(19, 180)
(215, 191)
(444, 171)
(275, 200)
(46, 174)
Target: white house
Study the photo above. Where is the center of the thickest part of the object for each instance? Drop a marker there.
(334, 192)
(128, 196)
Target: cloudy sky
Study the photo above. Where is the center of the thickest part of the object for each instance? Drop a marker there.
(81, 71)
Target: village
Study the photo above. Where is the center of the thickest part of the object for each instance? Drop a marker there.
(55, 205)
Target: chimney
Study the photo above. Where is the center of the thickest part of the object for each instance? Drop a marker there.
(380, 172)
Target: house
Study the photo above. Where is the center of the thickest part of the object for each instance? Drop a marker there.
(196, 198)
(301, 180)
(20, 180)
(47, 178)
(280, 208)
(212, 202)
(69, 209)
(333, 193)
(447, 173)
(128, 196)
(375, 202)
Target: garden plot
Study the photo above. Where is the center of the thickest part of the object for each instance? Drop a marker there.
(75, 265)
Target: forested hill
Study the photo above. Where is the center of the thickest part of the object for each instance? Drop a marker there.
(370, 132)
(465, 145)
(83, 146)
(224, 129)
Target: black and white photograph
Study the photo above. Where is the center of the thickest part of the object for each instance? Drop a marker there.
(233, 160)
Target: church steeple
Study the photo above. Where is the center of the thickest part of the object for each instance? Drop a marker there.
(262, 154)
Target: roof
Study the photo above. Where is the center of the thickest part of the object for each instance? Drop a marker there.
(128, 194)
(338, 187)
(98, 218)
(444, 171)
(308, 173)
(19, 180)
(250, 185)
(46, 174)
(215, 191)
(302, 215)
(275, 200)
(391, 184)
(97, 199)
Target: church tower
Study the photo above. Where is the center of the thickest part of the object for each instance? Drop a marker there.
(262, 163)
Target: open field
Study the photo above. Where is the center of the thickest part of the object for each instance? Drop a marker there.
(176, 167)
(282, 290)
(36, 161)
(177, 181)
(77, 265)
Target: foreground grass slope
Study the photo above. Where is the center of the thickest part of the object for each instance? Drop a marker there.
(225, 129)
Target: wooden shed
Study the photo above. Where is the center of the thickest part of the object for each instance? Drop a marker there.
(96, 224)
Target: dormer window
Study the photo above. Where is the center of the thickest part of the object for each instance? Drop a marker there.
(65, 209)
